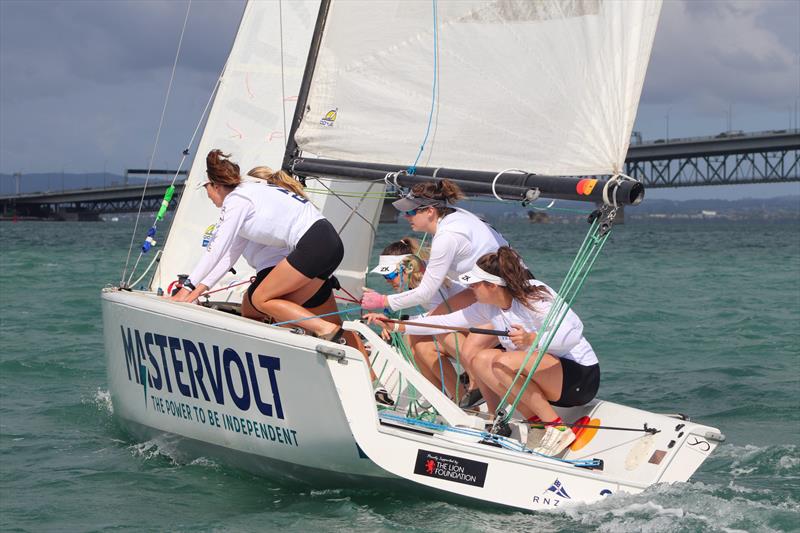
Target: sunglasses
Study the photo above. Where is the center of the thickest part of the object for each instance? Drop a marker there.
(389, 277)
(416, 210)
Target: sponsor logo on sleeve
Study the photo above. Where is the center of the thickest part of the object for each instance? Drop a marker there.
(450, 468)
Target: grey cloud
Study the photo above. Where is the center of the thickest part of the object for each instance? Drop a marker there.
(709, 54)
(54, 47)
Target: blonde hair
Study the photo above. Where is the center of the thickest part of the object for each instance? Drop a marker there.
(414, 265)
(279, 178)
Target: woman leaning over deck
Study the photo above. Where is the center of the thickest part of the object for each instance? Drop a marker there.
(260, 218)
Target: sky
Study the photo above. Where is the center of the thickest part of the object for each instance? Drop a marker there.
(82, 83)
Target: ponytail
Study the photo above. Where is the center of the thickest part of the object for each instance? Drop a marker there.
(280, 178)
(507, 264)
(221, 170)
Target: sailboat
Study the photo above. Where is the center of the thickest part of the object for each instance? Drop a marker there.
(354, 97)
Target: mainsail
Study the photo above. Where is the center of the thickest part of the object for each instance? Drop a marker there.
(250, 119)
(550, 87)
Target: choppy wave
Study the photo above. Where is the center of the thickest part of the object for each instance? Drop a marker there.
(102, 399)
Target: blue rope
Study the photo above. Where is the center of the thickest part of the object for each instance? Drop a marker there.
(413, 168)
(316, 316)
(506, 443)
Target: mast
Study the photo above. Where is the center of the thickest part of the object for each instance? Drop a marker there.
(308, 74)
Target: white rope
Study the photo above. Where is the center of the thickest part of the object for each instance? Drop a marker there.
(155, 144)
(146, 270)
(494, 181)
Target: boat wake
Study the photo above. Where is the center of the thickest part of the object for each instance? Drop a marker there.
(102, 400)
(742, 488)
(162, 449)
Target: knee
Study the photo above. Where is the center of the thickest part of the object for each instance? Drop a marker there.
(501, 362)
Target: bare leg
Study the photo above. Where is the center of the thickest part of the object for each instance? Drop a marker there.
(481, 364)
(545, 386)
(427, 355)
(248, 311)
(451, 344)
(282, 292)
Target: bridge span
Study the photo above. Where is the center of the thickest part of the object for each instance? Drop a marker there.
(730, 158)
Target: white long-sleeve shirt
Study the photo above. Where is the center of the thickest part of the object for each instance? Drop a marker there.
(568, 342)
(461, 239)
(258, 219)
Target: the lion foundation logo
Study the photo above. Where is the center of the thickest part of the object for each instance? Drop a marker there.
(450, 467)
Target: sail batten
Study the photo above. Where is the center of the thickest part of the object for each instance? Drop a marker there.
(549, 86)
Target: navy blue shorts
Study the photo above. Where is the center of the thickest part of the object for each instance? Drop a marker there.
(319, 251)
(579, 383)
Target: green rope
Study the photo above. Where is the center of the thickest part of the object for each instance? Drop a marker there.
(571, 286)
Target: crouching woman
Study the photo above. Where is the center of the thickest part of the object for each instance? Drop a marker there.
(507, 299)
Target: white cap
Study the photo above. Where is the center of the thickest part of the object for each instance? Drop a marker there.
(478, 274)
(388, 264)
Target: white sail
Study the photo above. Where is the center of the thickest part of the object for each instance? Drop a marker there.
(250, 119)
(551, 86)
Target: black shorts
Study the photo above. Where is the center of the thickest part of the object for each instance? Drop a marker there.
(319, 297)
(579, 383)
(319, 251)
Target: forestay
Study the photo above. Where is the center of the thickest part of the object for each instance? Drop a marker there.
(250, 119)
(551, 87)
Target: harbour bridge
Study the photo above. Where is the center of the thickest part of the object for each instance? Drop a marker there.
(729, 158)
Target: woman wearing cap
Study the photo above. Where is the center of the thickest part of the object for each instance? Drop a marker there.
(402, 265)
(280, 232)
(569, 373)
(459, 239)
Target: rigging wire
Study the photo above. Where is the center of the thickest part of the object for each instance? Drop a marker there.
(155, 144)
(412, 169)
(588, 253)
(186, 154)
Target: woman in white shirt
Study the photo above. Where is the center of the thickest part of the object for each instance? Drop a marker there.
(508, 300)
(459, 239)
(262, 219)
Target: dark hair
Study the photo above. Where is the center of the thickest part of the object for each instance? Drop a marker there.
(221, 170)
(445, 191)
(507, 264)
(414, 264)
(280, 178)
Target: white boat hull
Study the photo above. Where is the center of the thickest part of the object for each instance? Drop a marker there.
(284, 409)
(286, 405)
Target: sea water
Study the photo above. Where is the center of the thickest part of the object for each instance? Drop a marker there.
(699, 317)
